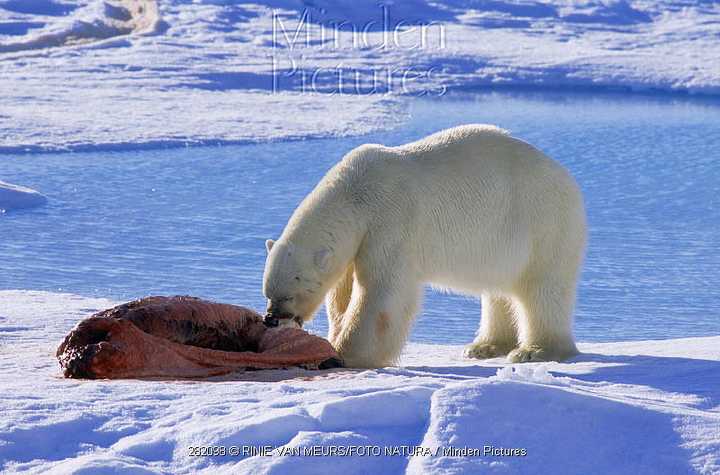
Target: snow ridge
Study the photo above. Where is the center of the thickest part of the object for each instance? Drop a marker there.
(97, 21)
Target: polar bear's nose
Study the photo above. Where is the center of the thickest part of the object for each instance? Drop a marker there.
(275, 306)
(271, 321)
(277, 314)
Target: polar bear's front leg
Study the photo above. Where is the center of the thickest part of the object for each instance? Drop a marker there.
(497, 335)
(377, 321)
(337, 301)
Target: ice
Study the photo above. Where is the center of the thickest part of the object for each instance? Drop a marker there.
(534, 372)
(18, 197)
(137, 73)
(97, 21)
(626, 408)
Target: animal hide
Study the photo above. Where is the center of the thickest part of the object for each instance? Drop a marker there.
(184, 337)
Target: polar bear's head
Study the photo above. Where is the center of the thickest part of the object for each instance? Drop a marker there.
(295, 281)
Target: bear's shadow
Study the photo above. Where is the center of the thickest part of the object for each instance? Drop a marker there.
(697, 377)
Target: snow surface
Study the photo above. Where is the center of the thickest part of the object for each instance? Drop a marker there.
(127, 73)
(624, 408)
(18, 197)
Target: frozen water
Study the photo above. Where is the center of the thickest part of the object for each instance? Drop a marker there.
(18, 197)
(124, 73)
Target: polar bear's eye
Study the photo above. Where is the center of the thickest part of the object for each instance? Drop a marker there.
(297, 278)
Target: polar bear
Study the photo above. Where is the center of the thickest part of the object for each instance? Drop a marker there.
(470, 210)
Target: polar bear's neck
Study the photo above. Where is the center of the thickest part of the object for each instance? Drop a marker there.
(337, 213)
(328, 217)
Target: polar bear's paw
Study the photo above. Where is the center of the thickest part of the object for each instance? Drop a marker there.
(528, 354)
(482, 350)
(534, 353)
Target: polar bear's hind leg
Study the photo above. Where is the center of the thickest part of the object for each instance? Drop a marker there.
(545, 322)
(498, 334)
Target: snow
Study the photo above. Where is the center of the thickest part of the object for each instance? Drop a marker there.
(626, 408)
(18, 197)
(138, 73)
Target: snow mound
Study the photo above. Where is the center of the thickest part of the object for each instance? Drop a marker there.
(410, 408)
(533, 372)
(96, 21)
(626, 408)
(18, 197)
(512, 423)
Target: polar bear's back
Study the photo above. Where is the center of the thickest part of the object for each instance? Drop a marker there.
(479, 146)
(455, 135)
(475, 160)
(475, 157)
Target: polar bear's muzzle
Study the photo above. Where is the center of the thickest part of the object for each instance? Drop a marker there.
(281, 313)
(281, 320)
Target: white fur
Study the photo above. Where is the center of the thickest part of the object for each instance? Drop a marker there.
(469, 209)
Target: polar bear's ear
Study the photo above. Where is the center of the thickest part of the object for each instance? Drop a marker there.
(269, 244)
(322, 258)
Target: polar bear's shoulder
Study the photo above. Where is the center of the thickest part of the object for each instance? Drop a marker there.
(373, 153)
(457, 134)
(372, 162)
